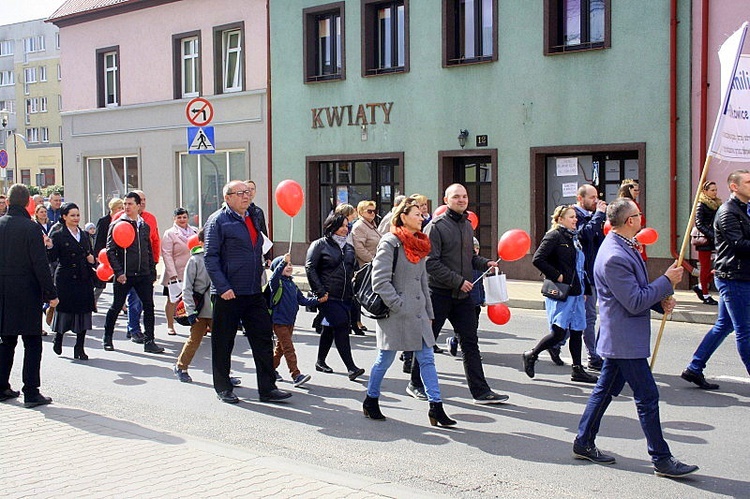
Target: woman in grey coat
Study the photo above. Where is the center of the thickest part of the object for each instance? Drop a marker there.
(404, 290)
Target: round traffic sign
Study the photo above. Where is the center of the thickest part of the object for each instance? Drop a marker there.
(3, 158)
(199, 111)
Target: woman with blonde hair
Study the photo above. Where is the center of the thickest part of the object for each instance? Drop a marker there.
(708, 204)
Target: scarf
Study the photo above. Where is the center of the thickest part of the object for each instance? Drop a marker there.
(416, 245)
(340, 240)
(711, 203)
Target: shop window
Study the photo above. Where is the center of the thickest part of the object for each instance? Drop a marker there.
(324, 43)
(202, 178)
(107, 178)
(574, 25)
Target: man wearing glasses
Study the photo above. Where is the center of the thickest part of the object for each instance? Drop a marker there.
(626, 298)
(234, 261)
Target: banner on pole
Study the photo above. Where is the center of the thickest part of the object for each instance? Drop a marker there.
(731, 136)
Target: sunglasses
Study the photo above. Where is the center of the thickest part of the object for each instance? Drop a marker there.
(370, 211)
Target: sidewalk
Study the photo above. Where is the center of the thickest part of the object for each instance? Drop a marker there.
(527, 295)
(59, 451)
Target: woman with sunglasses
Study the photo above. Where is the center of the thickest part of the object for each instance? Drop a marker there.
(560, 258)
(365, 239)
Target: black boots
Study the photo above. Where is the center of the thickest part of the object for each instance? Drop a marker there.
(371, 409)
(529, 359)
(78, 352)
(437, 415)
(57, 343)
(579, 374)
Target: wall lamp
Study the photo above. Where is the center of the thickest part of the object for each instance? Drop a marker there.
(462, 136)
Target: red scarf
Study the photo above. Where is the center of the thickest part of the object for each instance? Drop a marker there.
(416, 245)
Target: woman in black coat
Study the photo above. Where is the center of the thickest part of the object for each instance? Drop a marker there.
(330, 265)
(708, 205)
(71, 248)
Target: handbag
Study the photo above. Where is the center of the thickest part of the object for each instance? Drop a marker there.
(174, 287)
(372, 304)
(555, 290)
(495, 288)
(697, 238)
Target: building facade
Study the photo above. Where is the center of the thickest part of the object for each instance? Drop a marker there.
(30, 97)
(133, 67)
(520, 101)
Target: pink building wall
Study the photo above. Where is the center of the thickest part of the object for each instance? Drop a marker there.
(145, 40)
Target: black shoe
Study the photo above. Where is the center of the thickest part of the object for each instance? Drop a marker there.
(554, 354)
(490, 398)
(709, 300)
(107, 344)
(275, 395)
(79, 354)
(138, 338)
(698, 379)
(416, 391)
(57, 343)
(673, 468)
(580, 375)
(437, 349)
(592, 454)
(36, 400)
(9, 394)
(363, 327)
(355, 373)
(529, 359)
(371, 409)
(151, 347)
(357, 331)
(322, 367)
(595, 365)
(437, 415)
(698, 292)
(228, 397)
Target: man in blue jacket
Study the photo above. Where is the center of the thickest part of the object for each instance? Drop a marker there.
(625, 300)
(234, 261)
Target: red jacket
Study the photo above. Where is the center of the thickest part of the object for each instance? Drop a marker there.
(155, 240)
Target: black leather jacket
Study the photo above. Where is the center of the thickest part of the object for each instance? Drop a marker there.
(704, 222)
(556, 255)
(330, 269)
(732, 229)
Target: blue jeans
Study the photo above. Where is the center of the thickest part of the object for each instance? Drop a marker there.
(615, 372)
(135, 308)
(734, 315)
(426, 359)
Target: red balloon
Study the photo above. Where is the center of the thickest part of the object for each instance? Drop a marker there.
(607, 227)
(31, 207)
(103, 258)
(440, 210)
(499, 313)
(473, 218)
(123, 234)
(104, 273)
(193, 241)
(289, 197)
(513, 245)
(647, 236)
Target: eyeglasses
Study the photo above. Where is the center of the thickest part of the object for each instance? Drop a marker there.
(371, 212)
(239, 193)
(639, 214)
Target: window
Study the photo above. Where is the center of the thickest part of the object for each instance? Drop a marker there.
(385, 40)
(107, 178)
(6, 78)
(59, 102)
(32, 106)
(6, 47)
(469, 31)
(59, 133)
(8, 105)
(573, 25)
(42, 73)
(29, 75)
(324, 43)
(44, 134)
(202, 176)
(33, 44)
(108, 77)
(32, 135)
(49, 176)
(57, 40)
(59, 73)
(42, 104)
(228, 55)
(187, 65)
(25, 176)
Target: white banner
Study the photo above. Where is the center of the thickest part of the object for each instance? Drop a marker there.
(731, 136)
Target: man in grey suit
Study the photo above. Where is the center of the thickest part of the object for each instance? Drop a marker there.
(625, 300)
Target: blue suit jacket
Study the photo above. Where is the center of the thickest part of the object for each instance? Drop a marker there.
(625, 300)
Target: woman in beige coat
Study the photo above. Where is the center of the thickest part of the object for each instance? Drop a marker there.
(175, 255)
(408, 327)
(365, 238)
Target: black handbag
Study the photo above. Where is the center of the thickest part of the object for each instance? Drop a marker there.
(372, 304)
(555, 290)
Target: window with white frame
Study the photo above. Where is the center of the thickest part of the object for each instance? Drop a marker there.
(6, 47)
(57, 40)
(59, 73)
(59, 133)
(42, 104)
(42, 73)
(189, 67)
(202, 179)
(8, 105)
(107, 178)
(32, 135)
(6, 78)
(59, 102)
(228, 51)
(33, 44)
(29, 75)
(44, 134)
(32, 106)
(108, 77)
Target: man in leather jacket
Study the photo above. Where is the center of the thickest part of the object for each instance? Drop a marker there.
(732, 278)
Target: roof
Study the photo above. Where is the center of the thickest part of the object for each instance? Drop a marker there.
(80, 11)
(72, 7)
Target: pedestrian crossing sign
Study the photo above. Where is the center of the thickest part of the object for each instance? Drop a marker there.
(200, 140)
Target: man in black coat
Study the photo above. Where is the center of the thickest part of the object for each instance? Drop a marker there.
(25, 283)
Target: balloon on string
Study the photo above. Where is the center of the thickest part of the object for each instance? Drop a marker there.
(440, 210)
(103, 258)
(289, 197)
(607, 227)
(193, 241)
(647, 236)
(104, 272)
(513, 245)
(473, 218)
(123, 234)
(499, 313)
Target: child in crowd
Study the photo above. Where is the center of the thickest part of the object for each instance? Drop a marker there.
(284, 310)
(477, 298)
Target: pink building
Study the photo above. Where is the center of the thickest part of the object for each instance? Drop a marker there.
(131, 68)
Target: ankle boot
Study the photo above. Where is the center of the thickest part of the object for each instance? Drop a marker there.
(57, 343)
(579, 374)
(437, 415)
(78, 352)
(529, 359)
(371, 408)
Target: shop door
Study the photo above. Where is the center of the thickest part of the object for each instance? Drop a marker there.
(475, 173)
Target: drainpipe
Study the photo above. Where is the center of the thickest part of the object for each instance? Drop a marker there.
(269, 150)
(704, 81)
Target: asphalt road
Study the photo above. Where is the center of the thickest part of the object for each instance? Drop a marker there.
(519, 449)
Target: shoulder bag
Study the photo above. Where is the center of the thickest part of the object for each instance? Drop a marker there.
(372, 303)
(697, 238)
(555, 290)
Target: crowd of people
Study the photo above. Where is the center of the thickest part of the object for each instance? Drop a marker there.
(424, 268)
